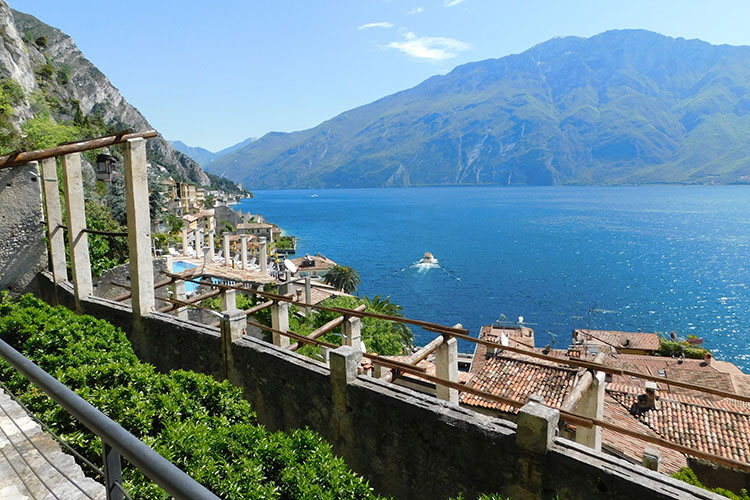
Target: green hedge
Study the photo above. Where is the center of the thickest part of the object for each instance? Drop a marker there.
(203, 426)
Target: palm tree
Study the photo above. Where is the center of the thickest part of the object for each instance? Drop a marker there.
(344, 278)
(384, 306)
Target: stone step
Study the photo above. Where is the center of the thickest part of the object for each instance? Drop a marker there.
(32, 465)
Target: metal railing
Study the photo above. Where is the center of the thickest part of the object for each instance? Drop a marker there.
(116, 441)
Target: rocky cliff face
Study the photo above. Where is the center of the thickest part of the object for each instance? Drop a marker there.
(75, 82)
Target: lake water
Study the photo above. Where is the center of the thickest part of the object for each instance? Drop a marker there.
(658, 258)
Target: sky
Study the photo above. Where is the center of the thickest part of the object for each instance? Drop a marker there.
(212, 74)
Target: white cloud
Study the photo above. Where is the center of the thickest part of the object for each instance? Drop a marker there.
(451, 3)
(417, 10)
(375, 25)
(435, 48)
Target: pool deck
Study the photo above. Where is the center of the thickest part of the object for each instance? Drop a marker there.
(223, 272)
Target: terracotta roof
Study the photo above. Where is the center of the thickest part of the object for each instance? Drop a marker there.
(632, 449)
(520, 336)
(518, 377)
(254, 225)
(618, 340)
(720, 429)
(430, 368)
(716, 375)
(320, 263)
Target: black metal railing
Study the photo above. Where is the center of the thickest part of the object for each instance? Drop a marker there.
(116, 441)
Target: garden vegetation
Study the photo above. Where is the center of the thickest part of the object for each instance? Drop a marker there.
(202, 425)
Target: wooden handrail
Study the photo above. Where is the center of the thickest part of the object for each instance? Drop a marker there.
(22, 157)
(319, 332)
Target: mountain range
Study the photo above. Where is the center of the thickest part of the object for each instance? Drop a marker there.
(621, 107)
(202, 155)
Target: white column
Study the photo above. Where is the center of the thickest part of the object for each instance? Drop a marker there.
(243, 251)
(227, 253)
(180, 294)
(54, 220)
(280, 321)
(352, 333)
(308, 293)
(184, 241)
(446, 367)
(263, 257)
(198, 237)
(211, 243)
(77, 238)
(139, 227)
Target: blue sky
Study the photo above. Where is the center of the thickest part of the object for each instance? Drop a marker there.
(214, 73)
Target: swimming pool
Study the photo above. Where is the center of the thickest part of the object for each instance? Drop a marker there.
(180, 265)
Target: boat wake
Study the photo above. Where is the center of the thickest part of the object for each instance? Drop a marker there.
(423, 267)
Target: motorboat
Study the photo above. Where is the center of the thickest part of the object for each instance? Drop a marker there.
(428, 259)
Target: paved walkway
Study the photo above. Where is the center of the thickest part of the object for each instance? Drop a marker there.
(32, 466)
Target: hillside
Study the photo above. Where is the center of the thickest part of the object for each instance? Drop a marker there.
(625, 106)
(57, 80)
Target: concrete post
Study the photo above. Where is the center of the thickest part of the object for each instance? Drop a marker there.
(243, 251)
(446, 367)
(184, 241)
(211, 243)
(77, 238)
(180, 294)
(308, 292)
(536, 427)
(207, 259)
(651, 458)
(227, 253)
(232, 328)
(344, 362)
(54, 220)
(592, 406)
(280, 321)
(229, 300)
(263, 255)
(139, 227)
(352, 333)
(198, 243)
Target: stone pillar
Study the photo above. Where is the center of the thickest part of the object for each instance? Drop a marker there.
(54, 220)
(308, 293)
(446, 367)
(352, 332)
(344, 362)
(243, 251)
(280, 321)
(77, 238)
(207, 259)
(651, 458)
(263, 255)
(180, 294)
(227, 253)
(592, 406)
(197, 237)
(139, 227)
(184, 240)
(536, 427)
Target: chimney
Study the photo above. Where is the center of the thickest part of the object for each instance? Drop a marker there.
(650, 400)
(707, 359)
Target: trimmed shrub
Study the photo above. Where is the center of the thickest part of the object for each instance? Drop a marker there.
(202, 425)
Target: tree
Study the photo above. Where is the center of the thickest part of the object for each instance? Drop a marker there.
(384, 306)
(344, 278)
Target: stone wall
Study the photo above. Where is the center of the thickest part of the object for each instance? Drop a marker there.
(407, 444)
(23, 251)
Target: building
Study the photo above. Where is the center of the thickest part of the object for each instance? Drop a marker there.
(106, 167)
(315, 266)
(258, 229)
(613, 341)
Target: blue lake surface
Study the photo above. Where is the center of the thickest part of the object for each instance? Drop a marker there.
(658, 258)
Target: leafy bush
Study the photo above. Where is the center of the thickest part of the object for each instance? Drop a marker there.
(203, 426)
(671, 348)
(687, 475)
